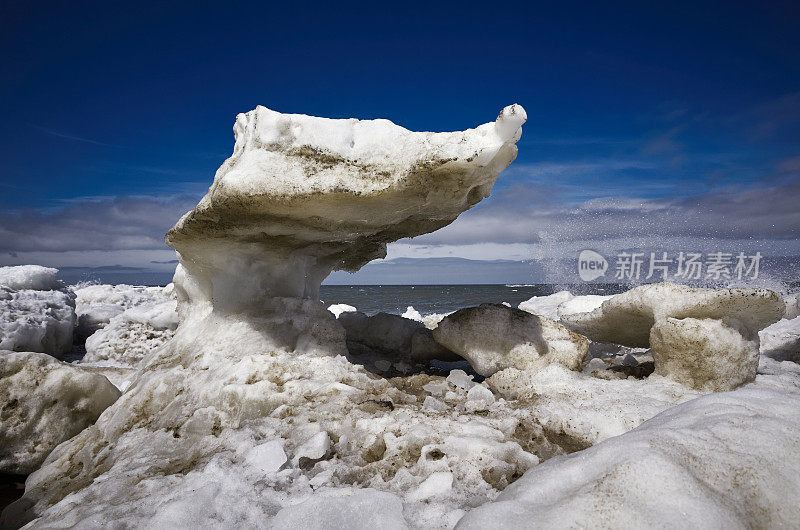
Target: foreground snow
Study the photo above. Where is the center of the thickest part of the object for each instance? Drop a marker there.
(722, 461)
(224, 439)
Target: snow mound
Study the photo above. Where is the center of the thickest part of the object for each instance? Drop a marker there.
(726, 460)
(133, 334)
(585, 408)
(628, 317)
(494, 337)
(45, 402)
(33, 277)
(38, 321)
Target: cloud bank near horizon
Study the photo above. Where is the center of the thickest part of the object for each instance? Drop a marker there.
(520, 222)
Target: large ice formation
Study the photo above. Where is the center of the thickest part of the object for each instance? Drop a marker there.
(44, 402)
(720, 461)
(494, 337)
(303, 196)
(37, 313)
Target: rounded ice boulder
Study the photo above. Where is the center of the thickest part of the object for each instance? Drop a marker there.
(493, 337)
(45, 402)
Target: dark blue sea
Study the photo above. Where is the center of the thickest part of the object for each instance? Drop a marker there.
(445, 298)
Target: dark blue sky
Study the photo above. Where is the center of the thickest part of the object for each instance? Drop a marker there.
(633, 100)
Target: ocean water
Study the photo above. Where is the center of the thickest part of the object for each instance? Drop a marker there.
(427, 299)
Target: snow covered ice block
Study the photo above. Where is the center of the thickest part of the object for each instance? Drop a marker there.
(720, 461)
(302, 196)
(36, 312)
(627, 318)
(30, 277)
(704, 353)
(494, 337)
(45, 402)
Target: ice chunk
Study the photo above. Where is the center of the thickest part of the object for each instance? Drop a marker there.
(32, 277)
(313, 449)
(546, 306)
(338, 309)
(393, 336)
(705, 354)
(627, 318)
(40, 321)
(693, 456)
(437, 483)
(493, 337)
(781, 340)
(581, 304)
(267, 457)
(94, 317)
(45, 402)
(432, 403)
(480, 394)
(461, 379)
(364, 509)
(412, 314)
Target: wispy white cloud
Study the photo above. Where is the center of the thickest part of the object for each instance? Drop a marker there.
(73, 137)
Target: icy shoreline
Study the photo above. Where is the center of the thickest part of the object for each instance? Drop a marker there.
(235, 398)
